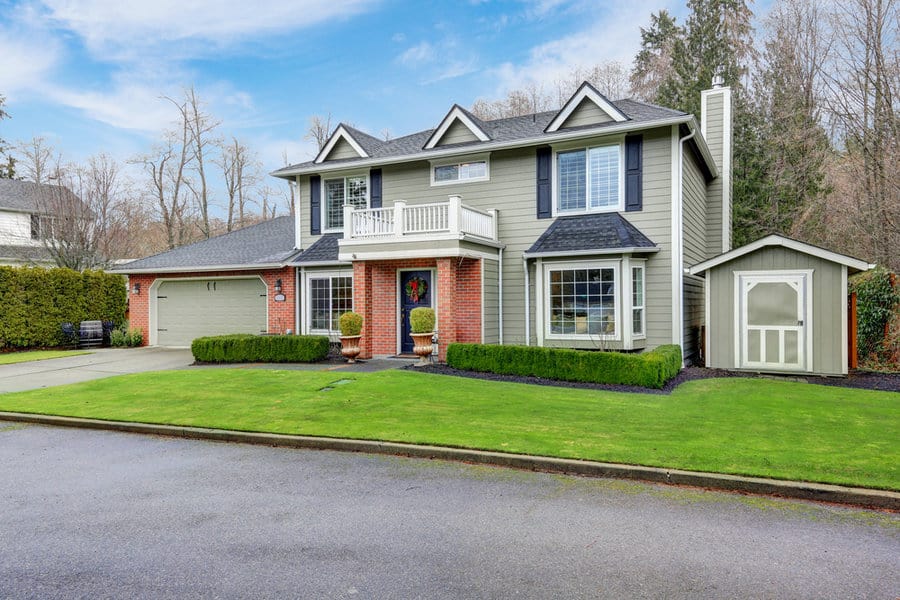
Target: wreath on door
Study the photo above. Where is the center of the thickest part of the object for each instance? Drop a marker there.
(416, 287)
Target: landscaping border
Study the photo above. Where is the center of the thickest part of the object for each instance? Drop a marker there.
(819, 492)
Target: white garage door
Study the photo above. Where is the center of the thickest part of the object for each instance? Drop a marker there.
(190, 309)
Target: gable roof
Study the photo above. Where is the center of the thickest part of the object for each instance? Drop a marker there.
(269, 244)
(510, 132)
(585, 92)
(458, 114)
(27, 196)
(785, 242)
(362, 143)
(604, 233)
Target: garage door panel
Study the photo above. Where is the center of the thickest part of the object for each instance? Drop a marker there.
(190, 309)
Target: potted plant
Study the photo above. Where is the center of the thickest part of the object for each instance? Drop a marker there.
(421, 324)
(351, 328)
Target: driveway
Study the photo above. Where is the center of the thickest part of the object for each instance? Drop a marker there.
(104, 362)
(97, 514)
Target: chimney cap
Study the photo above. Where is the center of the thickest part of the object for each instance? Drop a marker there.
(718, 81)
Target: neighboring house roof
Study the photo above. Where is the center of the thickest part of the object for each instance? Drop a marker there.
(323, 251)
(27, 196)
(605, 233)
(502, 133)
(778, 240)
(25, 255)
(265, 245)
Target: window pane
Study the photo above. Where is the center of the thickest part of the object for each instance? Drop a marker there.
(341, 299)
(473, 170)
(356, 192)
(319, 303)
(583, 301)
(637, 286)
(572, 180)
(637, 321)
(604, 176)
(446, 173)
(334, 203)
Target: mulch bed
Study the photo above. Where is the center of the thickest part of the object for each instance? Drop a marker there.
(857, 379)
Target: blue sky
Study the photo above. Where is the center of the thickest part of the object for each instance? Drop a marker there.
(88, 75)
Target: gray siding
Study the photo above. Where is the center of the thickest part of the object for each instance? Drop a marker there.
(457, 133)
(715, 131)
(694, 250)
(827, 306)
(342, 150)
(586, 113)
(490, 301)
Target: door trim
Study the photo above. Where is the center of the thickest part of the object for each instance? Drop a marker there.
(805, 277)
(398, 325)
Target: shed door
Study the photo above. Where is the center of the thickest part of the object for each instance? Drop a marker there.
(189, 309)
(773, 321)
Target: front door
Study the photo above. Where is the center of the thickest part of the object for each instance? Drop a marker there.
(773, 321)
(415, 291)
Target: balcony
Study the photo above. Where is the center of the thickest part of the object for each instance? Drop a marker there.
(420, 228)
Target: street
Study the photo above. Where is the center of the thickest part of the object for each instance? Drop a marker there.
(100, 514)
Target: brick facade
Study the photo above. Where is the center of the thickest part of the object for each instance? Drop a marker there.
(457, 295)
(281, 314)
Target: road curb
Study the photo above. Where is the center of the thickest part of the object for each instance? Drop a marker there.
(820, 492)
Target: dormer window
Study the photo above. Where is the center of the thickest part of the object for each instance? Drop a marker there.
(590, 179)
(352, 191)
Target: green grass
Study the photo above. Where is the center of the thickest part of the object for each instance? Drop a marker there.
(9, 358)
(737, 425)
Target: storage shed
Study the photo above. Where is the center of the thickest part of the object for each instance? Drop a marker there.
(778, 305)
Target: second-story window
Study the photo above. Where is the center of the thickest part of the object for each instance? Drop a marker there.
(476, 170)
(352, 191)
(590, 179)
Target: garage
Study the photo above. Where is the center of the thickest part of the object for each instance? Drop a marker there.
(188, 309)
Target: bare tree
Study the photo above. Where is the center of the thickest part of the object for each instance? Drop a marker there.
(36, 159)
(611, 79)
(319, 130)
(240, 170)
(292, 185)
(200, 126)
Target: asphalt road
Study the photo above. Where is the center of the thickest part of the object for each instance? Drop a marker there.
(92, 514)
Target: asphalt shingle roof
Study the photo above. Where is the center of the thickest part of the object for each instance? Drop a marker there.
(605, 231)
(25, 254)
(500, 130)
(266, 243)
(324, 249)
(27, 196)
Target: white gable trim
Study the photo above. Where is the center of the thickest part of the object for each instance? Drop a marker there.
(339, 134)
(777, 240)
(456, 114)
(585, 91)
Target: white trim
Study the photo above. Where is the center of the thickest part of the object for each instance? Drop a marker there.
(675, 244)
(387, 254)
(775, 241)
(200, 268)
(615, 265)
(627, 294)
(706, 321)
(726, 170)
(456, 114)
(845, 345)
(642, 264)
(307, 297)
(578, 134)
(597, 252)
(586, 91)
(539, 301)
(483, 157)
(298, 316)
(298, 203)
(324, 263)
(323, 208)
(340, 133)
(153, 304)
(435, 292)
(554, 188)
(483, 312)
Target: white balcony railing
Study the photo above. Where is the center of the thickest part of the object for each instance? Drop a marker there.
(403, 221)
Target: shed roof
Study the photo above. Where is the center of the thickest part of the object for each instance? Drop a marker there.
(323, 251)
(777, 240)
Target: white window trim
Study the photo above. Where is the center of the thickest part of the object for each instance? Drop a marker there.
(307, 297)
(641, 264)
(486, 158)
(323, 208)
(562, 148)
(339, 134)
(615, 265)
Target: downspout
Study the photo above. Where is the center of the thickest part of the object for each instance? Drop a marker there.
(298, 295)
(527, 303)
(500, 296)
(679, 215)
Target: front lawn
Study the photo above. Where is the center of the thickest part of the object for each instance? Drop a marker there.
(737, 425)
(9, 358)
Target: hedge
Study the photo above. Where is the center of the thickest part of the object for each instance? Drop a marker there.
(245, 347)
(648, 369)
(877, 302)
(35, 302)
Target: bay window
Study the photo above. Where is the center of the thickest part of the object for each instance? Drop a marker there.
(590, 179)
(582, 301)
(637, 301)
(352, 191)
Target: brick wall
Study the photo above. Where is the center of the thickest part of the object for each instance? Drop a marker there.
(458, 296)
(281, 314)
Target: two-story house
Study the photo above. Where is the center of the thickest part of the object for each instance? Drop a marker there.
(569, 228)
(24, 220)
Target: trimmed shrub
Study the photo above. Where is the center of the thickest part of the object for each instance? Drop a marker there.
(649, 369)
(260, 348)
(35, 302)
(121, 338)
(421, 320)
(350, 323)
(876, 304)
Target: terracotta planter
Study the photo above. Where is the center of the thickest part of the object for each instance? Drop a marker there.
(423, 346)
(350, 347)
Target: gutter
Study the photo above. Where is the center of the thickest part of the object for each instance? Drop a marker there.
(561, 253)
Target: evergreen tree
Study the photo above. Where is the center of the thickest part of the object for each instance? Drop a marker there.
(653, 64)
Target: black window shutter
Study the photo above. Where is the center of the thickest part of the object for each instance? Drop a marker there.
(315, 205)
(544, 189)
(375, 188)
(634, 177)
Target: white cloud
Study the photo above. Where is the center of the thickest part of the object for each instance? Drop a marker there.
(417, 55)
(26, 61)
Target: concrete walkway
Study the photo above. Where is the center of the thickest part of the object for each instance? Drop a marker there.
(108, 362)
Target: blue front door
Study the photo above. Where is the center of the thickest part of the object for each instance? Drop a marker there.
(415, 291)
